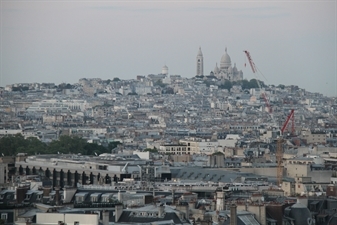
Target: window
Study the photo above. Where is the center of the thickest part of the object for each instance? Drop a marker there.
(76, 223)
(4, 216)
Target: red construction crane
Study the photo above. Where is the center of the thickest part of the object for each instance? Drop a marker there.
(254, 69)
(279, 150)
(291, 117)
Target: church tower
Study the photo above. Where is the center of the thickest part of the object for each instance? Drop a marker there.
(200, 63)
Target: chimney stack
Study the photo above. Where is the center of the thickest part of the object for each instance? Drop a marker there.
(105, 217)
(118, 212)
(161, 210)
(233, 219)
(57, 196)
(173, 200)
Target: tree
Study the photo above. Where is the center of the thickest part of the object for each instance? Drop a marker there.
(227, 85)
(92, 148)
(159, 83)
(67, 144)
(116, 79)
(282, 86)
(167, 90)
(12, 144)
(113, 144)
(253, 83)
(245, 84)
(153, 150)
(35, 146)
(217, 153)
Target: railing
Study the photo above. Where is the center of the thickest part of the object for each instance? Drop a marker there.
(95, 205)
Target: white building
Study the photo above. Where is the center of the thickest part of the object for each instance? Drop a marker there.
(226, 71)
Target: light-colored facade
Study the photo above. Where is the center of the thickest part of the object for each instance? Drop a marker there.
(226, 71)
(67, 218)
(174, 149)
(53, 105)
(298, 168)
(314, 137)
(200, 147)
(200, 63)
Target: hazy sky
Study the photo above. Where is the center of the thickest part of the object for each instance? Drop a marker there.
(291, 42)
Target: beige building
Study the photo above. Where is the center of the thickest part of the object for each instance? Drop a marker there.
(191, 146)
(313, 137)
(174, 149)
(303, 186)
(67, 218)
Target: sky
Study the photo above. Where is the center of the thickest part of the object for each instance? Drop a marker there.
(290, 42)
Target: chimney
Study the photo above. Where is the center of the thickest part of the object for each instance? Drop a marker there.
(57, 196)
(191, 205)
(173, 200)
(119, 196)
(105, 217)
(187, 212)
(118, 212)
(21, 193)
(68, 194)
(185, 209)
(161, 210)
(233, 219)
(213, 205)
(46, 191)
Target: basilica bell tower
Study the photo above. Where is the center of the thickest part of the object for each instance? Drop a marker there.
(200, 63)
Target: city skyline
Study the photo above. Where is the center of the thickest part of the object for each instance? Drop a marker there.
(290, 42)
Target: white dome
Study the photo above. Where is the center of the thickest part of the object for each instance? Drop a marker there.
(225, 61)
(164, 70)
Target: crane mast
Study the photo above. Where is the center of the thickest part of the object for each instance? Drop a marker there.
(279, 150)
(252, 65)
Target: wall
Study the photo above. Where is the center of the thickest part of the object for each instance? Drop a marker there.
(297, 170)
(259, 211)
(262, 171)
(53, 218)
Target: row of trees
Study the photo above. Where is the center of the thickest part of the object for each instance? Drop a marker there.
(13, 144)
(245, 84)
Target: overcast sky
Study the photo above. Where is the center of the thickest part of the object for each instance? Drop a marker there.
(291, 42)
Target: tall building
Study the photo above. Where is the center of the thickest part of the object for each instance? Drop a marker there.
(200, 63)
(226, 71)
